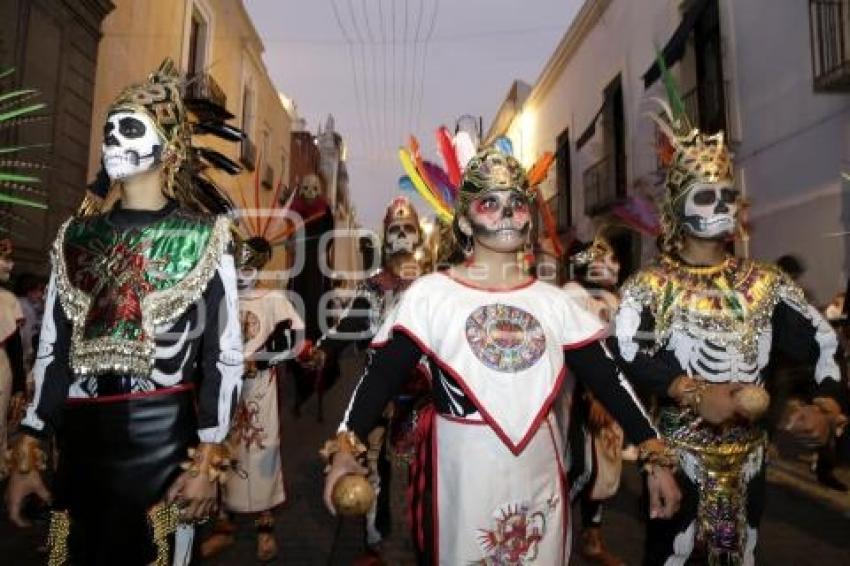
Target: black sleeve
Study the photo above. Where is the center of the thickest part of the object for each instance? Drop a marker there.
(221, 358)
(597, 371)
(277, 346)
(354, 326)
(805, 337)
(651, 375)
(388, 369)
(15, 351)
(51, 371)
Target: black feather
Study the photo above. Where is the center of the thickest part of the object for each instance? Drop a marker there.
(212, 197)
(219, 160)
(220, 129)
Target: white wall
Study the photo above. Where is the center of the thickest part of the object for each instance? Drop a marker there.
(793, 141)
(622, 41)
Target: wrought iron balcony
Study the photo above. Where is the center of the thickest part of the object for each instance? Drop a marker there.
(206, 98)
(600, 189)
(829, 22)
(248, 154)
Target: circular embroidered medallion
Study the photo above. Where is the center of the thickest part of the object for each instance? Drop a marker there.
(505, 338)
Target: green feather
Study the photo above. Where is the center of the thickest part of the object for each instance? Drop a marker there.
(673, 96)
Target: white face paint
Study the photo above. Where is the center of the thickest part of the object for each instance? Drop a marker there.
(131, 144)
(402, 237)
(710, 210)
(310, 188)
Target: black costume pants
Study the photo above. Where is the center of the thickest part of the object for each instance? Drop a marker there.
(117, 459)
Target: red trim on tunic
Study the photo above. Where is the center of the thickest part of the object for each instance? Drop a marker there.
(435, 486)
(531, 281)
(565, 492)
(129, 396)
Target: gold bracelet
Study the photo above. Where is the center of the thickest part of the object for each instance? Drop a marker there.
(656, 452)
(26, 455)
(212, 459)
(345, 441)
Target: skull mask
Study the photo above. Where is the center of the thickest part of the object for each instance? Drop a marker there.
(401, 237)
(310, 188)
(131, 144)
(710, 210)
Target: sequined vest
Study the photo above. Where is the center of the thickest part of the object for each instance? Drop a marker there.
(117, 285)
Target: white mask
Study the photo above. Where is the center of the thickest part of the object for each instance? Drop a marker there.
(402, 237)
(131, 144)
(710, 210)
(310, 187)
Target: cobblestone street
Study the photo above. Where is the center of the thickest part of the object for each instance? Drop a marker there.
(797, 530)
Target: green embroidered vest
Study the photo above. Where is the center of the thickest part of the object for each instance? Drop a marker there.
(117, 284)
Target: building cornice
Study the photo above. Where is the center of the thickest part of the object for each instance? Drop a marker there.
(585, 20)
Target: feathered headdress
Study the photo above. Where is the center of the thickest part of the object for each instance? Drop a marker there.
(689, 155)
(184, 163)
(468, 172)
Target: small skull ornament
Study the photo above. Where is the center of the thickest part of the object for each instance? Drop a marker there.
(710, 210)
(131, 144)
(311, 187)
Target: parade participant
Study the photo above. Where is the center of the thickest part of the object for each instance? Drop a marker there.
(12, 376)
(500, 343)
(402, 237)
(139, 363)
(311, 283)
(269, 324)
(595, 438)
(715, 321)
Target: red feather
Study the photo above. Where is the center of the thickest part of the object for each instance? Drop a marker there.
(447, 150)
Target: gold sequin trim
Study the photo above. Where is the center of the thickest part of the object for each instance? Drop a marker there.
(685, 300)
(57, 538)
(164, 519)
(90, 357)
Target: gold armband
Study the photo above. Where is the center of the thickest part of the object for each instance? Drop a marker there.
(345, 441)
(212, 459)
(656, 452)
(26, 455)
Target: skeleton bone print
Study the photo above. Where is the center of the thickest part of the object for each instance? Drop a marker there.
(719, 323)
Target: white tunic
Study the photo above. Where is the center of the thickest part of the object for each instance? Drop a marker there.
(500, 488)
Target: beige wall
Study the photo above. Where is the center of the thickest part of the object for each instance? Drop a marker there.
(138, 35)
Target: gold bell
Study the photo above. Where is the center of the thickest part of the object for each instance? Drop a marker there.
(353, 495)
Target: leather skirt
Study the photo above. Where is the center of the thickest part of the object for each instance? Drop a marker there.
(117, 457)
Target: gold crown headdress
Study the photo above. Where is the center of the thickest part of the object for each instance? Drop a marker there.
(598, 249)
(689, 155)
(161, 97)
(400, 208)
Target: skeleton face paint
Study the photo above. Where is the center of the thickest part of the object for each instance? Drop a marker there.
(310, 187)
(501, 220)
(710, 210)
(604, 271)
(131, 144)
(401, 237)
